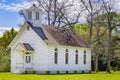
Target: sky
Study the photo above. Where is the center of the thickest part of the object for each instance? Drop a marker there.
(9, 16)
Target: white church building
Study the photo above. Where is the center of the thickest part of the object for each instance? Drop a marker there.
(46, 49)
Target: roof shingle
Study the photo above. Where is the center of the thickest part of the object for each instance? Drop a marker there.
(26, 46)
(60, 36)
(65, 37)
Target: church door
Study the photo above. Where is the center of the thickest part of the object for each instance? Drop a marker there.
(28, 60)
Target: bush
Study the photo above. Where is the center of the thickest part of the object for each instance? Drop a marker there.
(4, 59)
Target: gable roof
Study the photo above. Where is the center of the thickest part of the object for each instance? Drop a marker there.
(23, 47)
(27, 46)
(39, 31)
(34, 7)
(54, 36)
(59, 36)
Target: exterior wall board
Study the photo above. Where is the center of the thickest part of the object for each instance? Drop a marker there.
(39, 55)
(61, 66)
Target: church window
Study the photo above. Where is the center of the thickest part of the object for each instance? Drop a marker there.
(37, 15)
(56, 56)
(84, 57)
(76, 57)
(66, 56)
(28, 57)
(29, 15)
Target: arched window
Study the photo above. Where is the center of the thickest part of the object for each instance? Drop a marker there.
(66, 57)
(56, 56)
(66, 50)
(76, 57)
(84, 51)
(84, 57)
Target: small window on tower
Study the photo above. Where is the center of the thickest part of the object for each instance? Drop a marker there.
(37, 15)
(29, 15)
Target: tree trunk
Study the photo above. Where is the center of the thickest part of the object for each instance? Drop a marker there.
(96, 63)
(97, 52)
(109, 50)
(90, 33)
(90, 29)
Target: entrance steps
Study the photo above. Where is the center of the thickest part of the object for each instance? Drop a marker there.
(29, 71)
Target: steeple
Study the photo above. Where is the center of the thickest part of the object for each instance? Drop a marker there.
(33, 15)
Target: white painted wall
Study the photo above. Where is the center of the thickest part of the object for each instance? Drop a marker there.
(43, 56)
(39, 56)
(17, 62)
(71, 66)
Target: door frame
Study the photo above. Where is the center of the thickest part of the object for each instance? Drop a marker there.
(28, 59)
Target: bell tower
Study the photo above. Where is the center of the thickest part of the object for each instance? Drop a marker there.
(33, 15)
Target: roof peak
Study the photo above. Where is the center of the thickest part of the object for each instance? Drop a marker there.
(33, 6)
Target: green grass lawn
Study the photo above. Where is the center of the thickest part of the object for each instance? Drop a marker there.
(92, 76)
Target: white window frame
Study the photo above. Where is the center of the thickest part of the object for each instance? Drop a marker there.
(28, 57)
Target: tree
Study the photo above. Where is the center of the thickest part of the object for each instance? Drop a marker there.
(105, 8)
(4, 50)
(4, 59)
(60, 12)
(93, 8)
(7, 37)
(111, 21)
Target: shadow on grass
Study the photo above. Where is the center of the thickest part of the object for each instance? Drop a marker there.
(59, 74)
